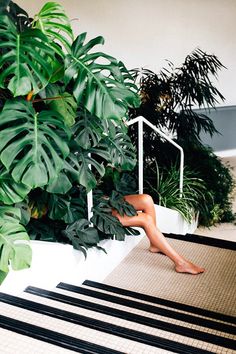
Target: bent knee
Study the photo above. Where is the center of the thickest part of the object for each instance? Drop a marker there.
(146, 199)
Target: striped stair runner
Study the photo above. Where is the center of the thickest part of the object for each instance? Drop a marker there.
(98, 318)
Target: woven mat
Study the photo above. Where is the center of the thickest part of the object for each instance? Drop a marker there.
(153, 274)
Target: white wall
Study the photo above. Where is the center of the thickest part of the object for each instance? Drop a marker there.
(145, 33)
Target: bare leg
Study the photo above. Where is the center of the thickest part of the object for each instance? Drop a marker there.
(156, 238)
(144, 203)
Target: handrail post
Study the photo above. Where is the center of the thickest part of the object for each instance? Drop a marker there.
(90, 204)
(140, 155)
(90, 199)
(181, 173)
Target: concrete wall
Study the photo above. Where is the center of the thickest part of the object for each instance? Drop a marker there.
(145, 33)
(224, 119)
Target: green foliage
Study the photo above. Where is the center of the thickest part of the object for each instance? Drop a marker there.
(219, 183)
(103, 219)
(167, 192)
(15, 250)
(26, 58)
(60, 101)
(103, 89)
(87, 130)
(10, 191)
(169, 101)
(118, 203)
(62, 107)
(30, 146)
(169, 97)
(55, 24)
(82, 235)
(121, 151)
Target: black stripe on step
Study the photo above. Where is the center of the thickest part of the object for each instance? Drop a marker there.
(98, 325)
(165, 326)
(204, 322)
(209, 241)
(59, 339)
(158, 301)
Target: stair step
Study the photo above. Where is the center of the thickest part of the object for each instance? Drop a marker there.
(53, 337)
(98, 318)
(153, 300)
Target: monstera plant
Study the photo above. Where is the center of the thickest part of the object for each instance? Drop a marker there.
(62, 110)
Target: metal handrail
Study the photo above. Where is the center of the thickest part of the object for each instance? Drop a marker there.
(140, 120)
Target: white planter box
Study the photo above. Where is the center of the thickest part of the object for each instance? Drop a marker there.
(54, 262)
(171, 221)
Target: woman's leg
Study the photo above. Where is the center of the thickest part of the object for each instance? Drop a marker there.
(156, 238)
(144, 203)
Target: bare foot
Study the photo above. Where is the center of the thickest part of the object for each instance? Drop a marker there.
(188, 267)
(154, 249)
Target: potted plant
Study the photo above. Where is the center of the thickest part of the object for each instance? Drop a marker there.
(62, 104)
(182, 208)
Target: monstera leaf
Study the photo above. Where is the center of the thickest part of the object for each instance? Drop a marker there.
(14, 247)
(88, 130)
(53, 22)
(26, 58)
(106, 222)
(58, 206)
(105, 90)
(121, 151)
(82, 235)
(10, 191)
(60, 184)
(32, 145)
(80, 162)
(10, 215)
(123, 207)
(61, 102)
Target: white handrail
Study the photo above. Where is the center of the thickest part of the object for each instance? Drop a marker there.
(90, 199)
(140, 121)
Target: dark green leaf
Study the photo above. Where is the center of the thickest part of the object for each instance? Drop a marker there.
(82, 235)
(60, 185)
(58, 205)
(30, 145)
(121, 151)
(118, 203)
(26, 60)
(10, 191)
(79, 164)
(61, 102)
(106, 222)
(88, 130)
(106, 90)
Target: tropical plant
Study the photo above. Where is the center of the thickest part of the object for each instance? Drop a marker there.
(169, 100)
(167, 192)
(219, 181)
(62, 106)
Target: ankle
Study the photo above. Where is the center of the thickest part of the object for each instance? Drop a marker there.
(180, 262)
